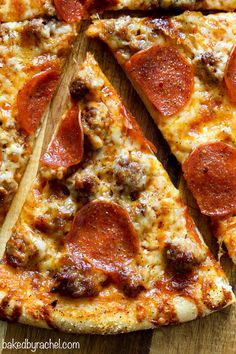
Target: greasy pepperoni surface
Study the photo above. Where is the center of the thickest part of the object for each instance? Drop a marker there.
(164, 77)
(210, 172)
(230, 75)
(67, 147)
(103, 234)
(34, 97)
(70, 10)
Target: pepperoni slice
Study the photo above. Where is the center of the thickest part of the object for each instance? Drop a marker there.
(230, 75)
(103, 234)
(34, 97)
(70, 10)
(210, 172)
(67, 147)
(164, 77)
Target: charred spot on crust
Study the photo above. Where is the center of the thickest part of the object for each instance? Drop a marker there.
(78, 89)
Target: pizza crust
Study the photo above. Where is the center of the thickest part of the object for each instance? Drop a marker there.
(109, 313)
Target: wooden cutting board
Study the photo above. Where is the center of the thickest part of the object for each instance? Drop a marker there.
(212, 335)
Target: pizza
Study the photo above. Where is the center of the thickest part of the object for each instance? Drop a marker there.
(19, 10)
(66, 10)
(75, 10)
(184, 68)
(32, 54)
(103, 243)
(225, 5)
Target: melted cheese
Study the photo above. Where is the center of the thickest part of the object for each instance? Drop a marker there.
(19, 10)
(20, 59)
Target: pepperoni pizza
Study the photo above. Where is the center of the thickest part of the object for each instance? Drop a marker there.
(103, 243)
(184, 69)
(66, 10)
(31, 59)
(75, 10)
(225, 5)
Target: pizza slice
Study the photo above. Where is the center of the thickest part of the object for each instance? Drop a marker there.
(184, 69)
(103, 243)
(75, 10)
(19, 10)
(225, 5)
(31, 59)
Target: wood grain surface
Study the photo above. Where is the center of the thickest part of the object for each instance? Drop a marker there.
(212, 335)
